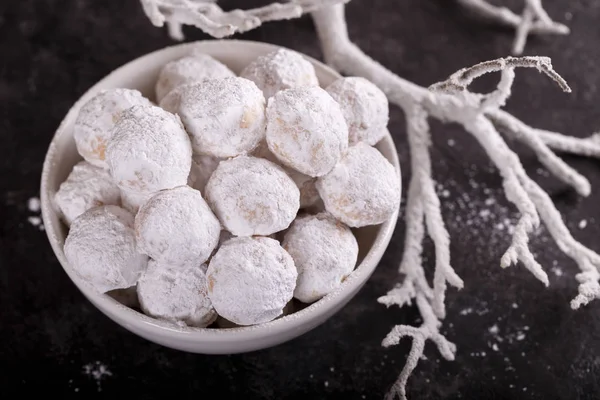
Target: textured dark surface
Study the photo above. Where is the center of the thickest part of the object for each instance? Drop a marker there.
(52, 51)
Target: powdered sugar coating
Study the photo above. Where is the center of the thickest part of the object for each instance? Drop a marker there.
(252, 196)
(193, 68)
(86, 187)
(365, 108)
(324, 251)
(176, 295)
(101, 249)
(132, 201)
(202, 169)
(306, 130)
(224, 117)
(149, 151)
(176, 227)
(250, 280)
(363, 188)
(279, 70)
(223, 323)
(93, 127)
(309, 195)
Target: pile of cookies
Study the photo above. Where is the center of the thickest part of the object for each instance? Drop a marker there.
(230, 196)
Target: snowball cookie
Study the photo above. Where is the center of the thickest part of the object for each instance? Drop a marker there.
(252, 196)
(149, 151)
(224, 117)
(93, 126)
(365, 108)
(193, 68)
(202, 169)
(309, 195)
(306, 130)
(363, 188)
(324, 251)
(132, 201)
(250, 280)
(175, 294)
(279, 70)
(100, 247)
(86, 187)
(176, 227)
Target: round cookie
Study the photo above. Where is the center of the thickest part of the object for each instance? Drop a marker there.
(176, 295)
(101, 249)
(224, 117)
(177, 228)
(250, 280)
(306, 130)
(364, 106)
(149, 151)
(324, 251)
(86, 187)
(363, 188)
(252, 196)
(93, 127)
(279, 70)
(189, 69)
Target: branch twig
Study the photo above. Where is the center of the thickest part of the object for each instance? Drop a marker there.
(534, 20)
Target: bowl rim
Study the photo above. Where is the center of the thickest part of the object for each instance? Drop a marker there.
(128, 316)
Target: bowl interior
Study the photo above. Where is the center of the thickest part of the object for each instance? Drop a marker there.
(141, 74)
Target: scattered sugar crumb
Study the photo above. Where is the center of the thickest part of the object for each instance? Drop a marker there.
(451, 142)
(568, 16)
(332, 369)
(34, 204)
(582, 224)
(97, 371)
(494, 329)
(326, 384)
(445, 193)
(495, 347)
(520, 336)
(466, 311)
(557, 271)
(35, 221)
(515, 305)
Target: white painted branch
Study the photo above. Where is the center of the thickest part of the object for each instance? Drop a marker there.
(514, 128)
(211, 19)
(535, 20)
(429, 330)
(587, 147)
(468, 109)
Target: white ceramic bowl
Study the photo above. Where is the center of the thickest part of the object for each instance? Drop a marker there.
(141, 74)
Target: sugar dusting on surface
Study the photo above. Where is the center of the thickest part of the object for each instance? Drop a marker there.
(34, 206)
(98, 372)
(480, 222)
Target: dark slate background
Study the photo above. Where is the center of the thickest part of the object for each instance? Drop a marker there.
(516, 340)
